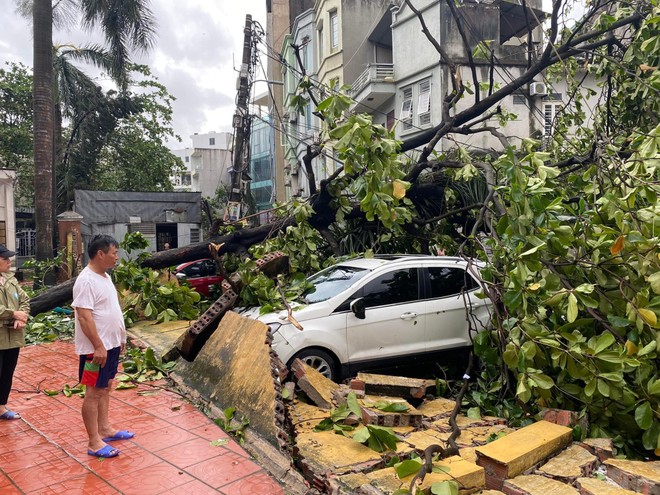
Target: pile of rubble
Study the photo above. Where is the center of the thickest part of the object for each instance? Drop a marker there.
(237, 369)
(493, 459)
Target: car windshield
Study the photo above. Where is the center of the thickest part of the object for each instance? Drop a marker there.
(332, 281)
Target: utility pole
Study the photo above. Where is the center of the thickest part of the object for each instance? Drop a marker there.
(241, 124)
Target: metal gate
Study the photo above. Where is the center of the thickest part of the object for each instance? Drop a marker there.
(26, 242)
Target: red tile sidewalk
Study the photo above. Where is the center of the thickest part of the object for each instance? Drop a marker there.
(46, 451)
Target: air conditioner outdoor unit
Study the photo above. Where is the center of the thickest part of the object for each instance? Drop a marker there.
(293, 118)
(538, 89)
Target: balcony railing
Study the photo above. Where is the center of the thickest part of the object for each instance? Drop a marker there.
(373, 73)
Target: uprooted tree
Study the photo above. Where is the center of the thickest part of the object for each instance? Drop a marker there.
(568, 227)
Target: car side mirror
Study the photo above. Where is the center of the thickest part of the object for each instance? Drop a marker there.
(180, 276)
(358, 308)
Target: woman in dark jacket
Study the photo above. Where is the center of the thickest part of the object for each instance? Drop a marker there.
(14, 311)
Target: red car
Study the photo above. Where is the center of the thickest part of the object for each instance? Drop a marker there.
(200, 275)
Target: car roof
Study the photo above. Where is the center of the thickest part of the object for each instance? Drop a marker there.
(188, 263)
(387, 259)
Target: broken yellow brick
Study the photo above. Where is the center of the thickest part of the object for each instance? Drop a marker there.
(516, 452)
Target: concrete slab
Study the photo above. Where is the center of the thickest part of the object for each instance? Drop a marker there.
(513, 454)
(233, 369)
(317, 387)
(593, 486)
(638, 476)
(420, 440)
(325, 452)
(399, 386)
(437, 407)
(600, 447)
(572, 463)
(537, 485)
(161, 337)
(305, 417)
(469, 476)
(374, 416)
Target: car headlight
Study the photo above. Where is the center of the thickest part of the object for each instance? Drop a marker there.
(274, 327)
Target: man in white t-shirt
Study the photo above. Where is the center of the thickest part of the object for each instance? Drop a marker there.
(100, 338)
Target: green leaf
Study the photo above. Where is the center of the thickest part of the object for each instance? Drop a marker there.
(219, 442)
(572, 312)
(654, 280)
(361, 435)
(353, 406)
(542, 381)
(407, 468)
(533, 250)
(474, 413)
(445, 488)
(386, 406)
(603, 342)
(523, 392)
(125, 386)
(651, 437)
(644, 415)
(648, 348)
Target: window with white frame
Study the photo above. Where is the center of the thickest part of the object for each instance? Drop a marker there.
(424, 103)
(211, 141)
(334, 29)
(416, 105)
(550, 111)
(305, 53)
(308, 117)
(320, 42)
(407, 108)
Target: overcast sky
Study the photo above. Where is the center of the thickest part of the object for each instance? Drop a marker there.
(200, 42)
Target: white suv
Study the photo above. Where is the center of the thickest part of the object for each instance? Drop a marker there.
(373, 313)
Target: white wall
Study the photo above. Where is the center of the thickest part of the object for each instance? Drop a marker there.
(7, 214)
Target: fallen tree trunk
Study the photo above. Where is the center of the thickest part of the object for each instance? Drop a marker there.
(237, 242)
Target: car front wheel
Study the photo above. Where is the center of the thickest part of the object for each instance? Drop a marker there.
(320, 360)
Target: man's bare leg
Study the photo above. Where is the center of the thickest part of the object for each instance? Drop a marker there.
(104, 428)
(91, 408)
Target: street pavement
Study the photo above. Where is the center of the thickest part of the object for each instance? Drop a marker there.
(177, 449)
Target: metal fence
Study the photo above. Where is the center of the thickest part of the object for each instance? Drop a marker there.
(26, 242)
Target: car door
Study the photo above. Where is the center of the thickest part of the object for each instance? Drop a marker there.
(447, 290)
(394, 322)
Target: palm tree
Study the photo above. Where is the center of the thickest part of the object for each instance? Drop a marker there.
(127, 25)
(42, 94)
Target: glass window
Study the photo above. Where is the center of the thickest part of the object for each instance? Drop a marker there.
(211, 141)
(334, 30)
(424, 102)
(550, 111)
(407, 108)
(332, 281)
(449, 281)
(320, 39)
(396, 287)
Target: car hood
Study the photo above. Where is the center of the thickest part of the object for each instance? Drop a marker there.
(301, 312)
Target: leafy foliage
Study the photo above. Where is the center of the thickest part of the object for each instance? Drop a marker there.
(378, 438)
(47, 327)
(144, 292)
(230, 424)
(16, 127)
(143, 365)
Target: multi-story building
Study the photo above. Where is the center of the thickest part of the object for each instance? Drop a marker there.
(497, 29)
(396, 75)
(261, 163)
(302, 128)
(207, 163)
(279, 16)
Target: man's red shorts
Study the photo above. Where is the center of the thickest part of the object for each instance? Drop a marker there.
(93, 375)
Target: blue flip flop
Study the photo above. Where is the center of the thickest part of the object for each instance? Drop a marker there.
(104, 452)
(10, 415)
(120, 435)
